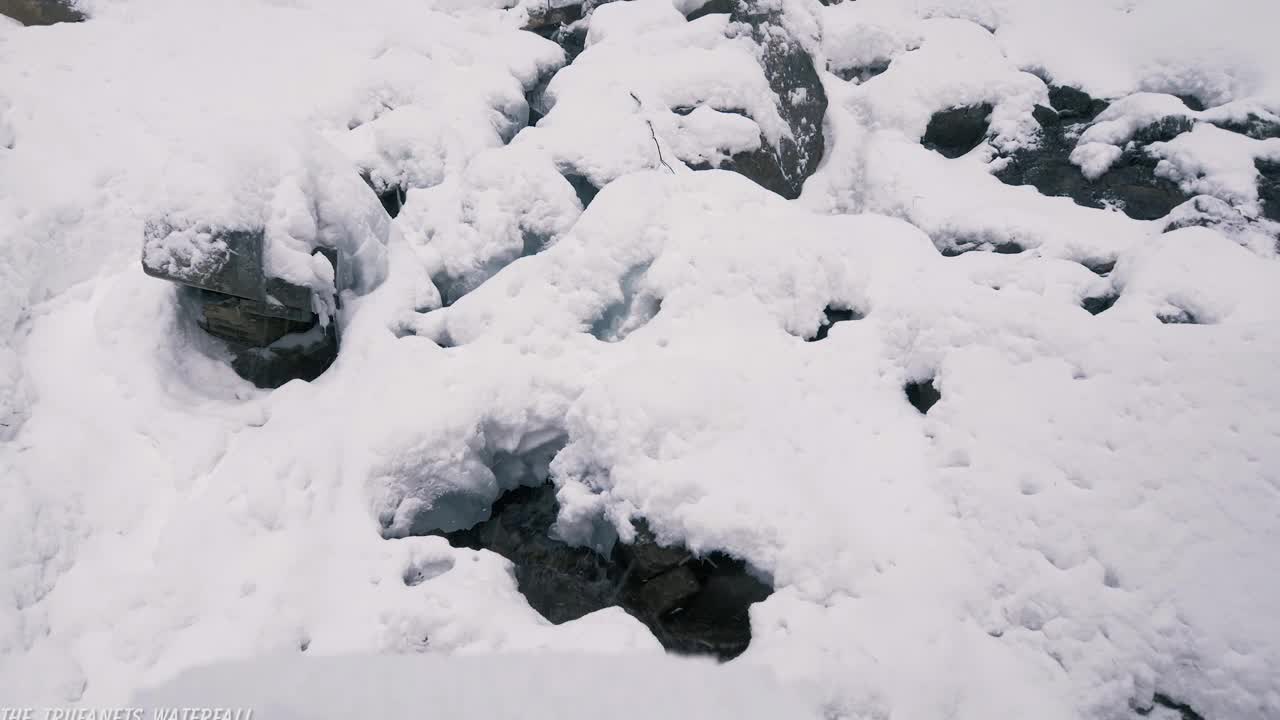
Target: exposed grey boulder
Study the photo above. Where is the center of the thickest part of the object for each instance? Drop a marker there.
(269, 325)
(41, 12)
(801, 100)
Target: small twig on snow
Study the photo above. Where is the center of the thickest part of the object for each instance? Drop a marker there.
(653, 135)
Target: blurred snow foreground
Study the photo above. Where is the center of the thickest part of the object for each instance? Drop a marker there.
(1029, 464)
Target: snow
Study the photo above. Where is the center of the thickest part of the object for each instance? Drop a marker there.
(567, 687)
(1086, 518)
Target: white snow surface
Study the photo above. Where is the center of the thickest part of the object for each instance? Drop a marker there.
(1089, 516)
(515, 687)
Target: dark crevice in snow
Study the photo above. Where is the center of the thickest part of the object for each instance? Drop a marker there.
(1099, 304)
(632, 311)
(922, 395)
(1192, 102)
(1131, 183)
(956, 131)
(1165, 701)
(585, 190)
(956, 246)
(391, 196)
(392, 200)
(693, 605)
(41, 12)
(861, 73)
(1099, 266)
(832, 315)
(1180, 316)
(418, 573)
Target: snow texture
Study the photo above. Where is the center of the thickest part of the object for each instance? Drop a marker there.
(1087, 520)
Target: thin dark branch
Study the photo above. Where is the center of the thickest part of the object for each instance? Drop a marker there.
(653, 135)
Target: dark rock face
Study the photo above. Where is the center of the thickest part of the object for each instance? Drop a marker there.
(1073, 105)
(922, 395)
(267, 323)
(693, 605)
(956, 246)
(1163, 130)
(832, 315)
(1254, 126)
(956, 131)
(1269, 187)
(41, 12)
(1131, 184)
(802, 102)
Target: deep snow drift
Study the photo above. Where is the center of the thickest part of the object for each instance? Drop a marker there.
(1084, 524)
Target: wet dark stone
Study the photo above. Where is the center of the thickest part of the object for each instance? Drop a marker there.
(1074, 105)
(1269, 187)
(922, 395)
(832, 315)
(41, 12)
(956, 131)
(954, 247)
(693, 605)
(1130, 184)
(1254, 126)
(861, 73)
(1099, 304)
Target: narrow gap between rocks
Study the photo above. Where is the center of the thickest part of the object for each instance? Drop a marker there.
(830, 316)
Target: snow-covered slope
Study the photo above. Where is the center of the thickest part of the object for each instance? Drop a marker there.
(1083, 526)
